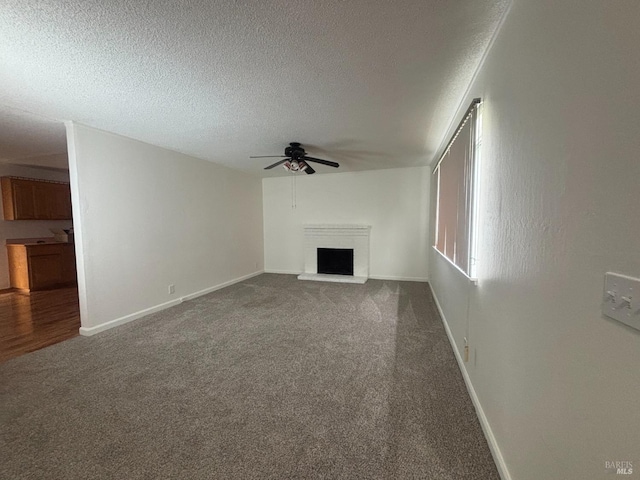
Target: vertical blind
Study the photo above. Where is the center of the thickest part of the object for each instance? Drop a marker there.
(456, 175)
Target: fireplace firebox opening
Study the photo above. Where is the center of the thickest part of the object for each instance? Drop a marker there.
(335, 261)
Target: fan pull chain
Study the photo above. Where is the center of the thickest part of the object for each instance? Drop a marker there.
(293, 191)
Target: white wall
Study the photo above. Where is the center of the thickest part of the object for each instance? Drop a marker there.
(146, 217)
(558, 382)
(26, 228)
(394, 202)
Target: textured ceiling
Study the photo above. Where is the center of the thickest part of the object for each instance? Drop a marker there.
(371, 84)
(24, 135)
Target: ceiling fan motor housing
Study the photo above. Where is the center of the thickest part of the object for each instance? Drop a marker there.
(294, 151)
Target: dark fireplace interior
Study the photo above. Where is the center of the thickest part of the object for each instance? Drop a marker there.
(336, 261)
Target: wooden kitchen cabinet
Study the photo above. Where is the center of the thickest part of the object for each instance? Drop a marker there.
(31, 199)
(41, 266)
(68, 260)
(60, 205)
(18, 202)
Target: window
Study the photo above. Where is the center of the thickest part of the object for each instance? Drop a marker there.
(457, 193)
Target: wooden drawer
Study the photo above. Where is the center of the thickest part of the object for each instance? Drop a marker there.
(44, 249)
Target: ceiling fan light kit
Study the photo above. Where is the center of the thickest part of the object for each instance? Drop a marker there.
(295, 166)
(296, 160)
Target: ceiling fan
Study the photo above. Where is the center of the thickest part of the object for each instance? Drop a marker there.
(296, 160)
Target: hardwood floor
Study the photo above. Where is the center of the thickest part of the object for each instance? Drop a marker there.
(32, 321)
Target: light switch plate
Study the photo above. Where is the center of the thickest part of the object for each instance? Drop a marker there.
(621, 299)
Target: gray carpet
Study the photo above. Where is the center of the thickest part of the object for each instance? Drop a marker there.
(270, 378)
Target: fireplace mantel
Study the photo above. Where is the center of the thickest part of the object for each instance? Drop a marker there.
(337, 229)
(355, 237)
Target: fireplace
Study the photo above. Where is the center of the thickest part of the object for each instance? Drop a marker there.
(347, 248)
(335, 261)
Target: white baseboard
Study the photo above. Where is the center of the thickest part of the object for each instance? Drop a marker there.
(191, 296)
(285, 272)
(399, 279)
(484, 423)
(88, 331)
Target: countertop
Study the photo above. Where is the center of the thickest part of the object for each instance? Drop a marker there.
(34, 241)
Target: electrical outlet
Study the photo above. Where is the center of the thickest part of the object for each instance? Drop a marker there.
(172, 289)
(621, 299)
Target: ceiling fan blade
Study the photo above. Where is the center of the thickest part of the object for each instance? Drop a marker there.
(276, 164)
(309, 170)
(323, 162)
(270, 156)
